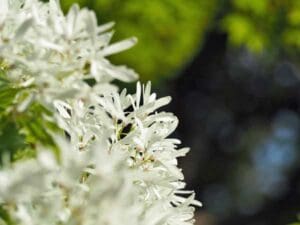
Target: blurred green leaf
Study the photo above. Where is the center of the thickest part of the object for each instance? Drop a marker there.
(264, 25)
(292, 37)
(37, 129)
(243, 31)
(257, 7)
(5, 217)
(7, 92)
(20, 134)
(10, 138)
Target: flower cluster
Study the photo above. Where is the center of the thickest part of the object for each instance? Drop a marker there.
(116, 164)
(53, 54)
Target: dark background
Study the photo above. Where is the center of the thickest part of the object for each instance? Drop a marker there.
(241, 119)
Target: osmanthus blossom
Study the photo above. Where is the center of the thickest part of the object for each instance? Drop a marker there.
(116, 163)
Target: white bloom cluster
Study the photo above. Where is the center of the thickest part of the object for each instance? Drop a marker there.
(43, 192)
(117, 164)
(44, 49)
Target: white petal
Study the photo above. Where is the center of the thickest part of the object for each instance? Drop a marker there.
(23, 28)
(119, 47)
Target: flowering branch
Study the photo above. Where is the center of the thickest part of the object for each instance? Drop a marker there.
(98, 156)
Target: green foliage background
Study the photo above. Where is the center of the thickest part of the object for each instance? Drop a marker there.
(264, 24)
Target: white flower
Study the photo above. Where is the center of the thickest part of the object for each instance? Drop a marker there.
(57, 53)
(74, 193)
(130, 124)
(117, 164)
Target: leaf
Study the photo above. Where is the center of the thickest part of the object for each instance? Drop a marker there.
(21, 133)
(7, 92)
(7, 95)
(36, 128)
(10, 138)
(4, 215)
(21, 154)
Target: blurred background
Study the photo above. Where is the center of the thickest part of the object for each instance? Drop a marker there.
(232, 68)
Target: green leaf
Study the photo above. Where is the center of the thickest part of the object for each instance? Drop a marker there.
(21, 133)
(7, 92)
(5, 217)
(37, 129)
(7, 95)
(10, 138)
